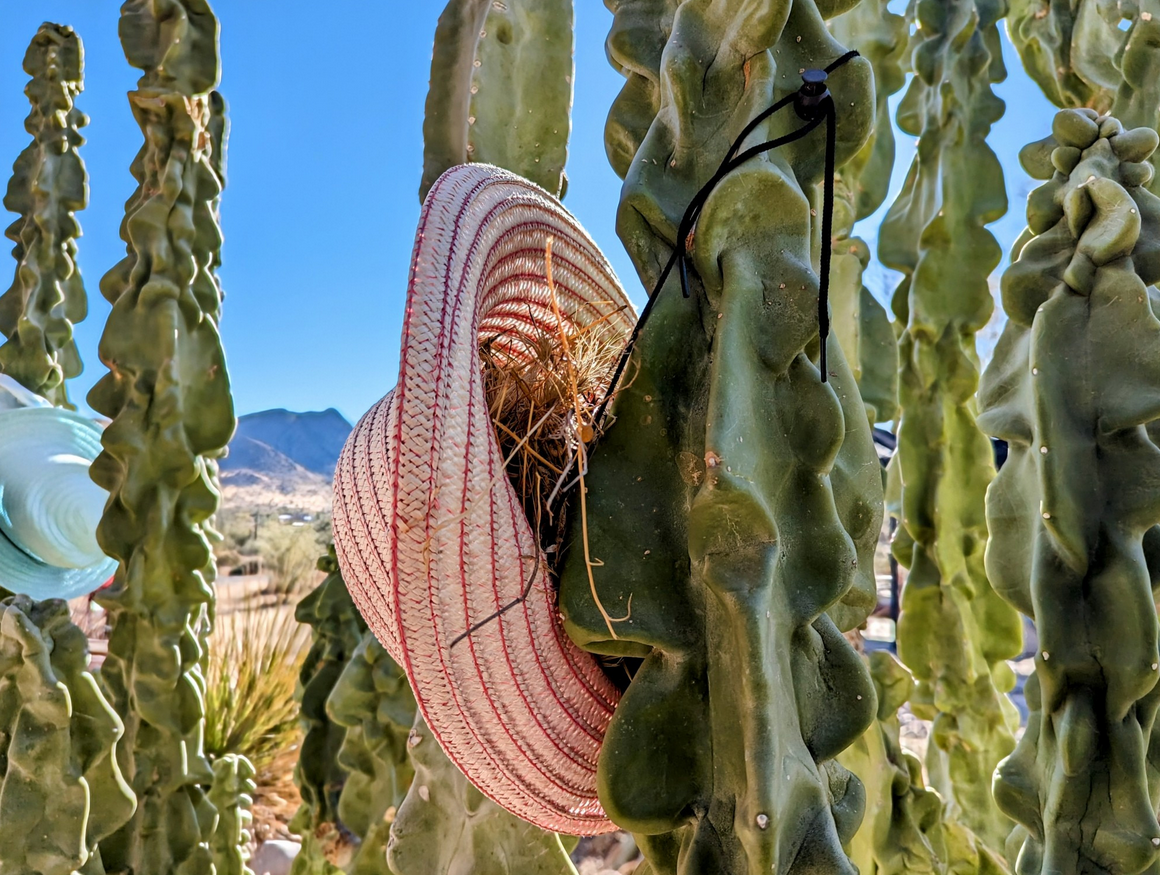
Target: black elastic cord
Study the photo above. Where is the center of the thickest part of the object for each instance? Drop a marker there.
(827, 232)
(731, 162)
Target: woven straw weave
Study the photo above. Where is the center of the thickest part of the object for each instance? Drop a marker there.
(430, 535)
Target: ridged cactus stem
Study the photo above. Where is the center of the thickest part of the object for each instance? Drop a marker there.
(1082, 55)
(337, 629)
(860, 322)
(48, 187)
(61, 789)
(445, 826)
(232, 795)
(501, 90)
(735, 497)
(903, 829)
(167, 394)
(954, 632)
(374, 703)
(1074, 388)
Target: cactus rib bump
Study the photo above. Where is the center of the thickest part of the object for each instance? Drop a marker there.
(1074, 388)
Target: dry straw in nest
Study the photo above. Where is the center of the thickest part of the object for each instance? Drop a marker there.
(543, 391)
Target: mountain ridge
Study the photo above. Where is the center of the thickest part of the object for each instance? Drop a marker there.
(282, 459)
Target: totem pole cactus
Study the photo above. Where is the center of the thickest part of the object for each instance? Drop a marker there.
(374, 703)
(338, 628)
(61, 790)
(1072, 388)
(232, 795)
(954, 632)
(501, 90)
(48, 186)
(860, 322)
(734, 502)
(477, 836)
(167, 394)
(901, 831)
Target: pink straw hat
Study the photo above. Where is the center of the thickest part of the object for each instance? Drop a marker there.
(431, 537)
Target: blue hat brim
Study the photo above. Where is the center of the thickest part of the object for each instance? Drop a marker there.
(20, 572)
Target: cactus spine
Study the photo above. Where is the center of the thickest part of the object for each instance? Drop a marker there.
(167, 394)
(501, 90)
(743, 536)
(48, 187)
(61, 790)
(954, 633)
(1072, 388)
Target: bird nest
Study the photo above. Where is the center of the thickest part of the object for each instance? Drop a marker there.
(543, 391)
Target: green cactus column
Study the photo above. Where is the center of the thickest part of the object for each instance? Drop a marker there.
(954, 632)
(61, 789)
(338, 629)
(48, 187)
(445, 826)
(903, 829)
(167, 394)
(501, 90)
(1073, 388)
(1081, 55)
(861, 324)
(734, 499)
(232, 795)
(373, 701)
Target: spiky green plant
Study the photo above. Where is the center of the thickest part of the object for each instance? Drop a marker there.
(501, 90)
(167, 395)
(255, 655)
(48, 186)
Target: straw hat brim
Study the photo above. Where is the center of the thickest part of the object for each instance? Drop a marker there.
(42, 432)
(429, 533)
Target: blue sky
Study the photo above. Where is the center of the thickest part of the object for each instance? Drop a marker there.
(325, 152)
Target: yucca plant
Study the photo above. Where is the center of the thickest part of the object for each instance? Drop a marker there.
(254, 659)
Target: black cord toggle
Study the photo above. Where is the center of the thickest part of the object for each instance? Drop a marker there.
(811, 95)
(814, 105)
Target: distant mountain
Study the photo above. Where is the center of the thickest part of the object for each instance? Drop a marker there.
(313, 440)
(283, 460)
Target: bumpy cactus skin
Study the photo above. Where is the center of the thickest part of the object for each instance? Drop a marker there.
(1079, 56)
(1073, 385)
(61, 790)
(501, 89)
(373, 701)
(168, 397)
(232, 796)
(338, 628)
(447, 827)
(733, 503)
(901, 833)
(859, 321)
(954, 632)
(48, 187)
